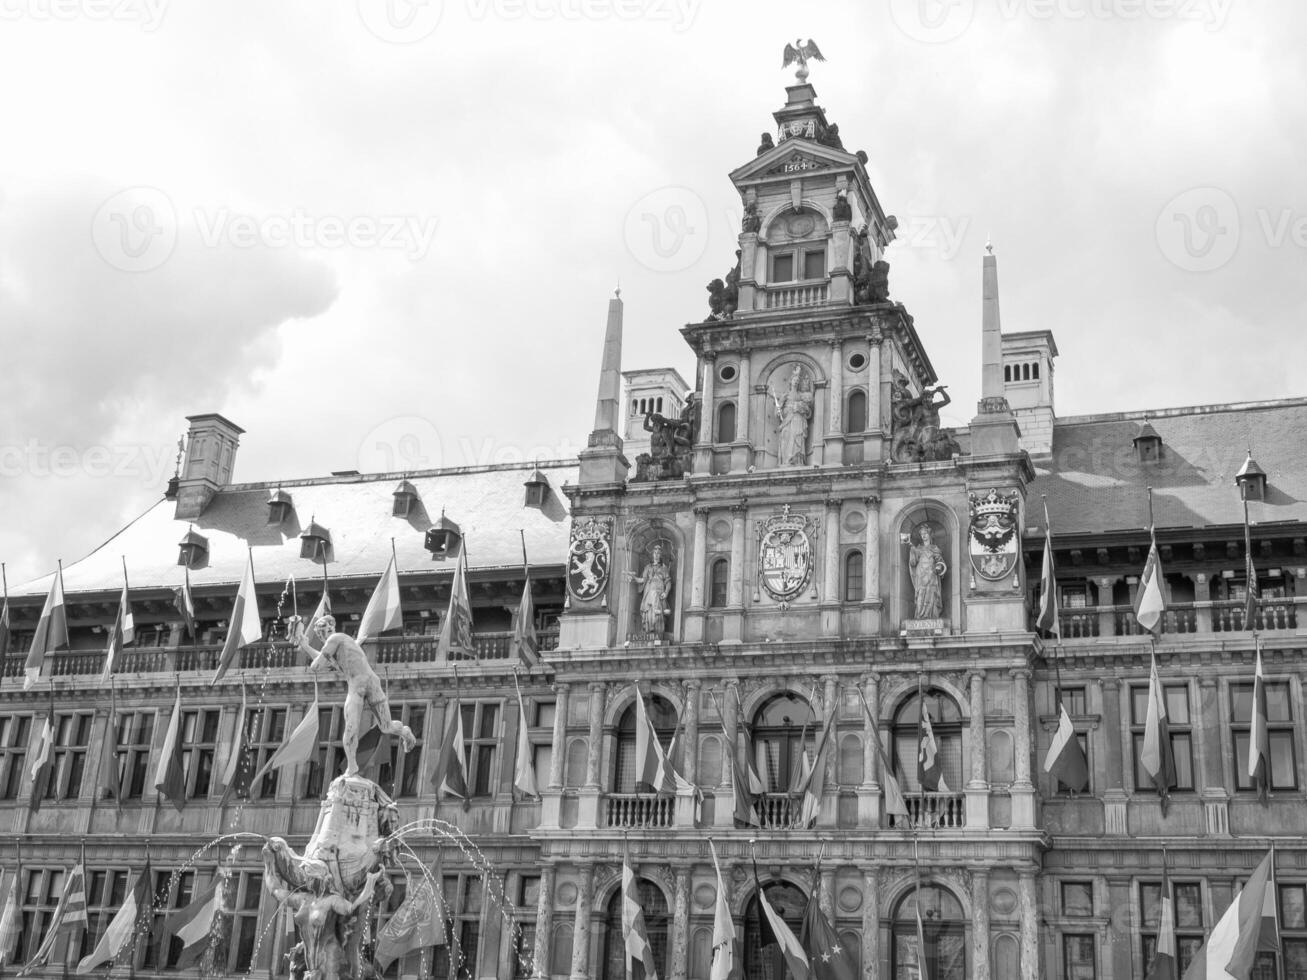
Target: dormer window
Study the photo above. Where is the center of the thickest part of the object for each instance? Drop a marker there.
(194, 549)
(279, 507)
(1251, 480)
(315, 543)
(442, 538)
(537, 487)
(1147, 443)
(406, 497)
(805, 263)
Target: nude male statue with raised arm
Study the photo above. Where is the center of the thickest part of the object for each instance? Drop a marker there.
(342, 653)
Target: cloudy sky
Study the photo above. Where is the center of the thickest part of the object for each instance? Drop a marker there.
(382, 234)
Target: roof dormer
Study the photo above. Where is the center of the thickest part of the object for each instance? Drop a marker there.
(1251, 479)
(1147, 443)
(280, 506)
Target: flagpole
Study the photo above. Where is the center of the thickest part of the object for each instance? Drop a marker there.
(1057, 647)
(1250, 585)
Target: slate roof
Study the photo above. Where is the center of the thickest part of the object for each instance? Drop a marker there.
(487, 502)
(1095, 483)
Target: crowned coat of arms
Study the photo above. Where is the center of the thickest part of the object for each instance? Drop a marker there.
(589, 557)
(785, 554)
(993, 542)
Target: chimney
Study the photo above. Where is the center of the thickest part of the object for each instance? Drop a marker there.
(207, 467)
(994, 430)
(602, 460)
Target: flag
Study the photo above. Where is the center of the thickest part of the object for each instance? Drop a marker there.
(456, 630)
(383, 613)
(524, 773)
(11, 920)
(43, 763)
(246, 627)
(193, 925)
(652, 770)
(922, 973)
(51, 631)
(640, 963)
(1259, 740)
(373, 750)
(1156, 756)
(741, 795)
(110, 778)
(1251, 592)
(5, 631)
(726, 961)
(1234, 942)
(185, 604)
(929, 773)
(418, 923)
(170, 774)
(75, 916)
(123, 928)
(1150, 602)
(237, 777)
(895, 804)
(524, 629)
(1165, 960)
(756, 786)
(451, 768)
(815, 781)
(121, 633)
(1048, 619)
(773, 930)
(69, 919)
(323, 609)
(830, 958)
(1066, 760)
(299, 746)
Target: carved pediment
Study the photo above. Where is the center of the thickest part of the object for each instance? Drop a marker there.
(798, 163)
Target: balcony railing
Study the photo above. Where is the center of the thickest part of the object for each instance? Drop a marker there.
(486, 646)
(932, 811)
(1180, 618)
(630, 810)
(786, 297)
(1272, 614)
(777, 811)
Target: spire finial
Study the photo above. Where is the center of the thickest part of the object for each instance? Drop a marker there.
(800, 53)
(989, 246)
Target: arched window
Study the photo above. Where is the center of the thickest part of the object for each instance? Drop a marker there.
(726, 422)
(653, 907)
(663, 717)
(853, 576)
(1007, 372)
(946, 722)
(788, 902)
(1034, 370)
(721, 571)
(943, 928)
(1025, 372)
(855, 419)
(783, 729)
(660, 405)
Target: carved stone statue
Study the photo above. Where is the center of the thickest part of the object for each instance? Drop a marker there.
(670, 442)
(917, 436)
(765, 143)
(724, 295)
(870, 279)
(655, 583)
(843, 210)
(342, 654)
(793, 415)
(927, 567)
(752, 220)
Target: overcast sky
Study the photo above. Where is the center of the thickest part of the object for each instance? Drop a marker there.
(383, 235)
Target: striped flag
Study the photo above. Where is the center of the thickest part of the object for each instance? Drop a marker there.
(524, 773)
(1048, 620)
(525, 642)
(51, 631)
(929, 773)
(1150, 602)
(246, 625)
(69, 919)
(1065, 760)
(456, 630)
(451, 767)
(11, 920)
(652, 770)
(237, 777)
(773, 930)
(323, 609)
(43, 761)
(185, 604)
(1242, 931)
(121, 633)
(1259, 740)
(726, 960)
(383, 613)
(640, 963)
(170, 774)
(1156, 756)
(193, 925)
(814, 783)
(742, 795)
(299, 746)
(1165, 962)
(123, 928)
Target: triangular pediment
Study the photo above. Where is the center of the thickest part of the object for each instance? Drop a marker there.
(794, 156)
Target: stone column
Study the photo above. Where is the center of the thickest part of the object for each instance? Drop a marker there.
(505, 929)
(544, 921)
(1029, 908)
(581, 931)
(869, 808)
(693, 693)
(1212, 786)
(588, 798)
(1023, 790)
(871, 922)
(742, 403)
(1106, 617)
(835, 416)
(698, 567)
(1115, 799)
(707, 413)
(724, 811)
(680, 945)
(831, 704)
(1123, 930)
(980, 925)
(831, 592)
(873, 442)
(733, 624)
(978, 786)
(558, 758)
(871, 552)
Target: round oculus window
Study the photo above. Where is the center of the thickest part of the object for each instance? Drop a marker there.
(728, 372)
(857, 361)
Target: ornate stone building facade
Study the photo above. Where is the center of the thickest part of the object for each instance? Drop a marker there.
(800, 538)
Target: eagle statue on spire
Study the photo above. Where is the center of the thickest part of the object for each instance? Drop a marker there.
(801, 52)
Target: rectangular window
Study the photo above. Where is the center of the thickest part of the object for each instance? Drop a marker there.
(266, 729)
(1279, 730)
(200, 738)
(72, 734)
(1077, 898)
(162, 950)
(1078, 957)
(481, 745)
(135, 745)
(853, 581)
(106, 890)
(403, 770)
(814, 264)
(782, 267)
(241, 906)
(15, 733)
(329, 761)
(1073, 698)
(44, 885)
(1178, 721)
(1186, 897)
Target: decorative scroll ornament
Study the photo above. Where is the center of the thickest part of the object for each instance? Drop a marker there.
(589, 557)
(992, 541)
(784, 555)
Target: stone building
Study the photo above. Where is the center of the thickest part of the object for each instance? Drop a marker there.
(801, 538)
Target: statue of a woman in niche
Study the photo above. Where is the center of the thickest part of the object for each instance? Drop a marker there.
(793, 413)
(655, 583)
(927, 568)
